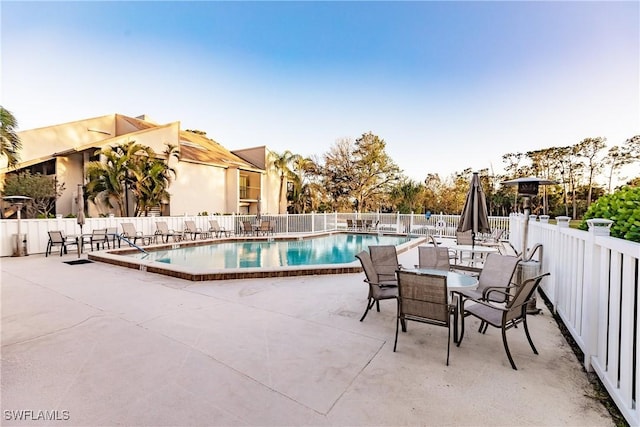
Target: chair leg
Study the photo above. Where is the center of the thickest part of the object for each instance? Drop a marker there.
(48, 251)
(370, 303)
(461, 328)
(378, 306)
(448, 342)
(395, 343)
(506, 348)
(455, 325)
(526, 331)
(483, 327)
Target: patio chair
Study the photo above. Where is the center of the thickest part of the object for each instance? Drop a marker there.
(350, 225)
(433, 257)
(130, 233)
(195, 231)
(247, 228)
(99, 237)
(493, 240)
(385, 261)
(497, 272)
(113, 236)
(464, 238)
(265, 228)
(57, 238)
(163, 230)
(503, 317)
(451, 254)
(424, 298)
(216, 230)
(378, 289)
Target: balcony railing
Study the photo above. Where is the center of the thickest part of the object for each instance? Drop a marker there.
(249, 193)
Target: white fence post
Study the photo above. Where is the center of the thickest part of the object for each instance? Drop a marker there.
(590, 286)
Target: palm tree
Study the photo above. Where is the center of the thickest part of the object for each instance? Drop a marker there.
(282, 164)
(151, 178)
(301, 196)
(111, 178)
(10, 141)
(107, 179)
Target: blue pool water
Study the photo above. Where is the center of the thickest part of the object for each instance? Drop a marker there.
(331, 249)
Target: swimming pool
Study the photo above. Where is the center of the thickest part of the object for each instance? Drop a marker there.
(249, 258)
(330, 249)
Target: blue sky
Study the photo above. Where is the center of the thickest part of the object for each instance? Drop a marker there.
(447, 85)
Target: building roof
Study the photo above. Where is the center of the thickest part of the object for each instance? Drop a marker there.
(199, 148)
(193, 147)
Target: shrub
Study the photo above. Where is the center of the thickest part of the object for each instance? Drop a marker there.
(623, 208)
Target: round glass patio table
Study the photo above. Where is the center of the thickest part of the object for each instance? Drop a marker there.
(455, 281)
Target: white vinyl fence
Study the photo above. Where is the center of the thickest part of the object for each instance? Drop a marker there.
(594, 289)
(593, 285)
(34, 231)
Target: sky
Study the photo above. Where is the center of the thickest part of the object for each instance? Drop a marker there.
(447, 85)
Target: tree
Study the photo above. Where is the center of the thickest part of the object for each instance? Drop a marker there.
(107, 180)
(513, 170)
(43, 190)
(406, 196)
(282, 163)
(151, 178)
(619, 156)
(301, 195)
(433, 189)
(338, 174)
(588, 149)
(112, 175)
(375, 173)
(359, 175)
(542, 165)
(11, 144)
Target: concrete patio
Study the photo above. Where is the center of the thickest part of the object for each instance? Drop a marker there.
(114, 346)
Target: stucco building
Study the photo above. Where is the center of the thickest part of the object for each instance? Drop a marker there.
(209, 177)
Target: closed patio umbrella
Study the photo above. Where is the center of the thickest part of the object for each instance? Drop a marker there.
(80, 201)
(474, 214)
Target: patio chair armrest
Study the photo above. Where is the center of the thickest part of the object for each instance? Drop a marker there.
(493, 305)
(500, 290)
(381, 284)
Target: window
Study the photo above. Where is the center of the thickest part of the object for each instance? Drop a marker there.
(244, 186)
